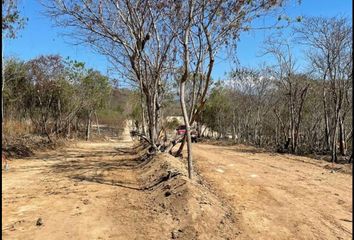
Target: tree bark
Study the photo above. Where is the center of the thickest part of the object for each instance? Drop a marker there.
(234, 127)
(186, 122)
(98, 126)
(69, 130)
(327, 134)
(334, 135)
(143, 129)
(88, 126)
(342, 142)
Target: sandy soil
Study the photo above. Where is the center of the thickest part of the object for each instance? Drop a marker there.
(109, 190)
(63, 189)
(278, 196)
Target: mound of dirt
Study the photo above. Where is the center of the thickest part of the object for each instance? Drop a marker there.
(191, 210)
(25, 146)
(112, 191)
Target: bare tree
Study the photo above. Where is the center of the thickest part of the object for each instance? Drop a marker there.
(250, 89)
(303, 119)
(294, 85)
(204, 28)
(143, 38)
(132, 34)
(330, 42)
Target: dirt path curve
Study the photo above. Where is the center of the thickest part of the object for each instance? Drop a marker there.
(86, 191)
(278, 196)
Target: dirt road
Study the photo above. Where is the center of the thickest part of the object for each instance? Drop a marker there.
(108, 190)
(92, 190)
(278, 196)
(85, 191)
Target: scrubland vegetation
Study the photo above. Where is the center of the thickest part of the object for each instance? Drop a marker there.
(117, 167)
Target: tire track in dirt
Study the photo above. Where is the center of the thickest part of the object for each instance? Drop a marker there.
(277, 197)
(62, 188)
(109, 190)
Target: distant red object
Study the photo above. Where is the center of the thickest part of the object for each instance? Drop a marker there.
(181, 130)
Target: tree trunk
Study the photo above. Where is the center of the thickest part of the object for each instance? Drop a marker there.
(291, 124)
(233, 126)
(186, 122)
(143, 129)
(342, 142)
(88, 126)
(76, 126)
(327, 135)
(151, 121)
(143, 121)
(334, 136)
(69, 129)
(157, 111)
(334, 145)
(98, 126)
(256, 129)
(234, 133)
(46, 132)
(239, 130)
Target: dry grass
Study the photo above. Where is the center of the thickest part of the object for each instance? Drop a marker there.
(14, 128)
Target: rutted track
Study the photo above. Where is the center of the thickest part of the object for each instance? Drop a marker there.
(279, 196)
(109, 190)
(66, 191)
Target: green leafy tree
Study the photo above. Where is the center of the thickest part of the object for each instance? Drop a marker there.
(96, 89)
(217, 113)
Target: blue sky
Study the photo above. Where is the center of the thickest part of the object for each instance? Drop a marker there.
(41, 37)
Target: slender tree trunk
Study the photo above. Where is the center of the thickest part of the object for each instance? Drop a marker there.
(334, 135)
(143, 121)
(46, 131)
(256, 131)
(69, 129)
(203, 132)
(186, 122)
(234, 133)
(157, 117)
(327, 134)
(88, 126)
(292, 124)
(98, 125)
(152, 121)
(233, 126)
(76, 127)
(334, 145)
(239, 133)
(342, 142)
